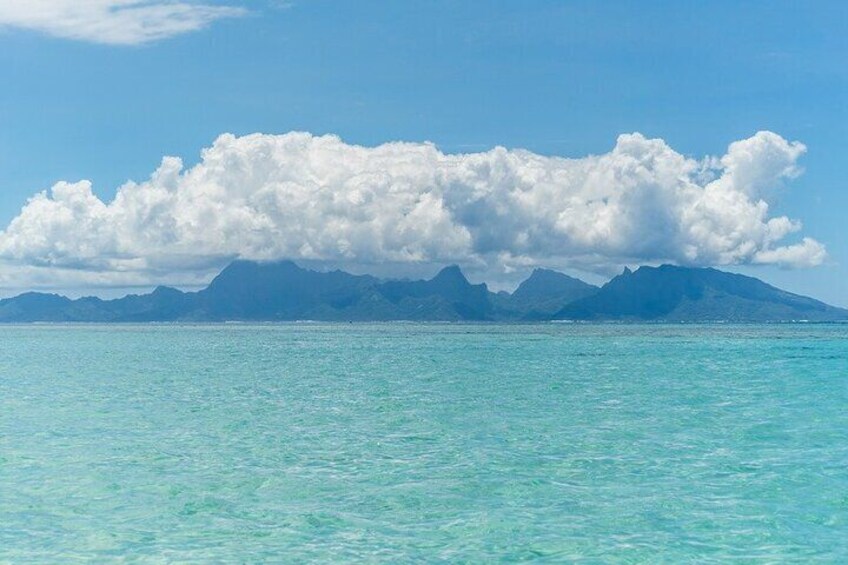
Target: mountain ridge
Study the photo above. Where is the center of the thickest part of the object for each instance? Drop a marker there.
(668, 292)
(283, 291)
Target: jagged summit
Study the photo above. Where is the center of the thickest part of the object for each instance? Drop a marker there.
(448, 296)
(450, 274)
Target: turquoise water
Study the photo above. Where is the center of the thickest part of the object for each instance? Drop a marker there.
(401, 442)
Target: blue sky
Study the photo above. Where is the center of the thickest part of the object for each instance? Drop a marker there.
(555, 78)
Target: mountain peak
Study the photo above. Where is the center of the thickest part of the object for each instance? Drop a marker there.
(540, 272)
(546, 277)
(548, 291)
(451, 273)
(242, 269)
(162, 290)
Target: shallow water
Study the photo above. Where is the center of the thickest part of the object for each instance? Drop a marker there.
(429, 442)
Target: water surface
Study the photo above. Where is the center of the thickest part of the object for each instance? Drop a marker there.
(430, 442)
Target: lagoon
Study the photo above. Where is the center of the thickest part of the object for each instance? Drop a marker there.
(403, 442)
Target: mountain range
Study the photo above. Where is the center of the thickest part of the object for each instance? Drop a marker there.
(278, 291)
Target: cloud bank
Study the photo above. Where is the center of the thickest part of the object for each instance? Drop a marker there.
(114, 22)
(317, 198)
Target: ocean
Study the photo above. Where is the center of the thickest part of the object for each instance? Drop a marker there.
(404, 442)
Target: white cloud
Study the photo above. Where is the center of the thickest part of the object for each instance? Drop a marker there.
(808, 253)
(317, 198)
(116, 22)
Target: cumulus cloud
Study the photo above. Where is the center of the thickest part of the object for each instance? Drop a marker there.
(318, 198)
(116, 22)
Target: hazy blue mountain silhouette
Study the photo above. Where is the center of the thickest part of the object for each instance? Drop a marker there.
(35, 306)
(247, 290)
(544, 293)
(686, 294)
(447, 296)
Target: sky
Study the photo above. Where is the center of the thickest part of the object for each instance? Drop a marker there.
(150, 142)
